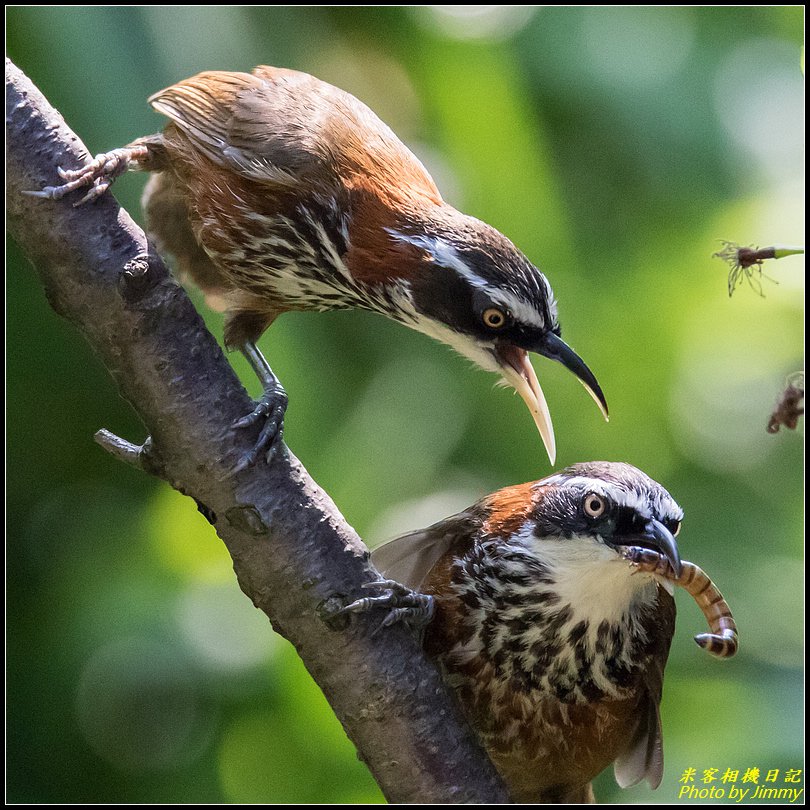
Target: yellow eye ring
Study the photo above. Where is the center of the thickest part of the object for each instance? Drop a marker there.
(594, 505)
(494, 318)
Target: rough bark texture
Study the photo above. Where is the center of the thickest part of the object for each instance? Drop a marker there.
(293, 553)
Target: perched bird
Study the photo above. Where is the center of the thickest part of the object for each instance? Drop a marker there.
(554, 645)
(275, 191)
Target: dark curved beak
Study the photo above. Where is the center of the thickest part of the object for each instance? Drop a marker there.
(555, 348)
(657, 537)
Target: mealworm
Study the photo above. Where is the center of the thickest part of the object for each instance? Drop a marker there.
(722, 641)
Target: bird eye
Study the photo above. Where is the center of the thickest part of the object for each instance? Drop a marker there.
(594, 505)
(674, 527)
(494, 318)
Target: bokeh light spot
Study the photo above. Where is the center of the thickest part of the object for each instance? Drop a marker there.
(637, 47)
(476, 22)
(222, 628)
(139, 706)
(759, 96)
(415, 513)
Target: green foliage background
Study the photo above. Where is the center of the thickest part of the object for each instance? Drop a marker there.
(615, 146)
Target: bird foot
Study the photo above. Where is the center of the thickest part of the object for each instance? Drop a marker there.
(269, 410)
(99, 174)
(403, 605)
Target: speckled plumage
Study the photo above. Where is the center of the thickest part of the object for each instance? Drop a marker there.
(553, 645)
(303, 199)
(275, 191)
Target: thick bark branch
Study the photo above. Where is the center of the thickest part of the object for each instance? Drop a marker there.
(293, 553)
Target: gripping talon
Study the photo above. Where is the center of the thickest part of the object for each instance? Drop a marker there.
(269, 410)
(404, 605)
(100, 185)
(260, 412)
(389, 584)
(410, 615)
(99, 173)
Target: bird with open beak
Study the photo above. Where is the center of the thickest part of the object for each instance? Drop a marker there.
(276, 191)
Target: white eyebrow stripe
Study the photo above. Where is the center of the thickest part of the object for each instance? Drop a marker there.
(447, 256)
(521, 311)
(657, 506)
(444, 254)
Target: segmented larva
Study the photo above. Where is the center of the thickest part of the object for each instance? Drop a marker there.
(722, 641)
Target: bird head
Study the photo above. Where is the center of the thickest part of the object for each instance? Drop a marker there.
(608, 505)
(538, 604)
(475, 291)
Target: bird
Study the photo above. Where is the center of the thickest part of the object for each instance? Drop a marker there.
(553, 644)
(275, 191)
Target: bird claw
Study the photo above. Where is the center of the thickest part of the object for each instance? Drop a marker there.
(99, 174)
(270, 410)
(404, 605)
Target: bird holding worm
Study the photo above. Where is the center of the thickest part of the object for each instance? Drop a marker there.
(548, 606)
(549, 609)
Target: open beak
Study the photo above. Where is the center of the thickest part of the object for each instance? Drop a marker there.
(555, 348)
(519, 373)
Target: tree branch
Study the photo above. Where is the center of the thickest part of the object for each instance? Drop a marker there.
(293, 553)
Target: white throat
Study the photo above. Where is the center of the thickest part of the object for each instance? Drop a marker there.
(592, 578)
